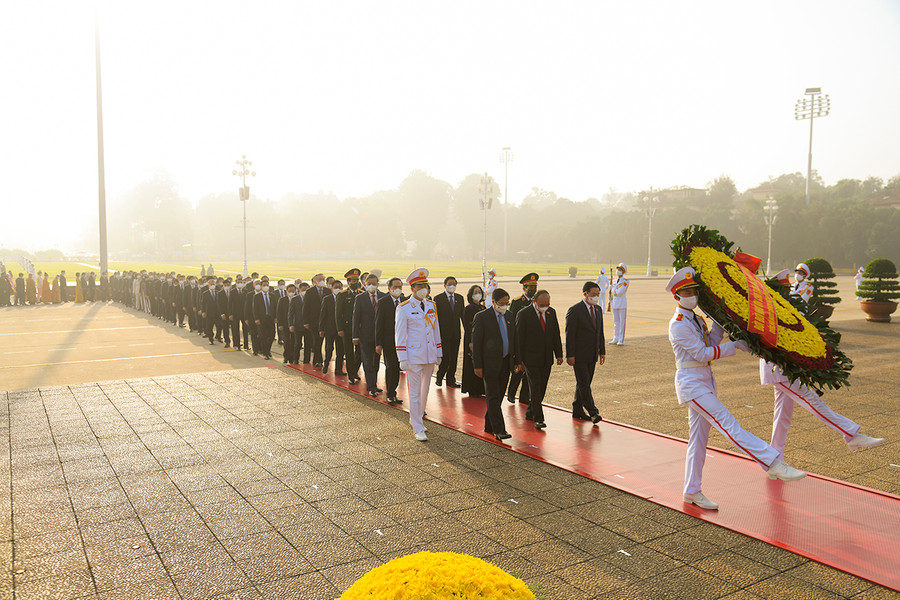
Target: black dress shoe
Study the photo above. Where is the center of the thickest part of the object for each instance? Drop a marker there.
(379, 390)
(373, 393)
(228, 345)
(285, 361)
(511, 399)
(394, 400)
(596, 418)
(256, 354)
(452, 384)
(325, 370)
(581, 416)
(539, 425)
(318, 365)
(352, 380)
(501, 436)
(339, 373)
(268, 357)
(438, 382)
(212, 343)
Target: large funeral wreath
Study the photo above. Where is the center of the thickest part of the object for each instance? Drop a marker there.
(806, 348)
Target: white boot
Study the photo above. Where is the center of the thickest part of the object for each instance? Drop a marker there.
(860, 441)
(781, 470)
(700, 500)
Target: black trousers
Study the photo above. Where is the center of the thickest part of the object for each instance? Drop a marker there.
(538, 377)
(181, 314)
(266, 336)
(312, 346)
(525, 394)
(213, 326)
(391, 371)
(296, 345)
(447, 368)
(351, 354)
(334, 345)
(370, 364)
(251, 328)
(287, 341)
(584, 398)
(235, 331)
(495, 381)
(246, 330)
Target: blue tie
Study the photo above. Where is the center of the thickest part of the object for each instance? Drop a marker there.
(503, 333)
(266, 298)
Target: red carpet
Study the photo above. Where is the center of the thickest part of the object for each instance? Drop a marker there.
(845, 526)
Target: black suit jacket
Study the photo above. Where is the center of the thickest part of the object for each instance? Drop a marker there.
(249, 295)
(236, 304)
(326, 315)
(385, 320)
(364, 317)
(295, 313)
(210, 304)
(259, 307)
(282, 308)
(537, 346)
(312, 305)
(584, 341)
(487, 344)
(449, 320)
(224, 301)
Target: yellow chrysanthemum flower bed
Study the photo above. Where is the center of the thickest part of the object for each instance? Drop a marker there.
(438, 575)
(724, 279)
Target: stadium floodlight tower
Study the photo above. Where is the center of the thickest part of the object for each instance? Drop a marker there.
(815, 106)
(487, 193)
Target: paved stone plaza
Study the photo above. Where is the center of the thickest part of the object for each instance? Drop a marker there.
(237, 480)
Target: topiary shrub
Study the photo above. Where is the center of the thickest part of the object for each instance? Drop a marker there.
(820, 274)
(880, 283)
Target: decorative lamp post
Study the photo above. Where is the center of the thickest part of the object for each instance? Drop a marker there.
(649, 202)
(243, 171)
(770, 209)
(506, 157)
(487, 193)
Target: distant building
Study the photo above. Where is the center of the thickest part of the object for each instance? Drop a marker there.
(681, 196)
(886, 198)
(766, 191)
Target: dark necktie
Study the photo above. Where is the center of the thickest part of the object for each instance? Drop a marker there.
(423, 306)
(374, 303)
(266, 299)
(543, 324)
(452, 302)
(593, 316)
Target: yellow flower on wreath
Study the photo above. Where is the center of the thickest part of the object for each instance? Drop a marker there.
(731, 290)
(436, 576)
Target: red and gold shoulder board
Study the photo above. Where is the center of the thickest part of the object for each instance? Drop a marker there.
(679, 317)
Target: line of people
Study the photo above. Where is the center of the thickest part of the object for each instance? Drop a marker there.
(39, 288)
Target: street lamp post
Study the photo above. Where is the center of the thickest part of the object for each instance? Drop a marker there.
(816, 105)
(506, 157)
(770, 209)
(243, 171)
(650, 210)
(487, 191)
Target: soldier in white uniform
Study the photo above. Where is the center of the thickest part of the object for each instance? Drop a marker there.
(619, 304)
(603, 282)
(490, 287)
(695, 348)
(786, 393)
(418, 340)
(858, 278)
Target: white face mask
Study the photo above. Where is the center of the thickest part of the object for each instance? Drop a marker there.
(451, 289)
(212, 286)
(257, 287)
(798, 277)
(619, 272)
(422, 293)
(265, 288)
(476, 297)
(240, 286)
(396, 292)
(690, 302)
(281, 286)
(593, 300)
(502, 308)
(336, 291)
(290, 294)
(542, 309)
(321, 284)
(371, 288)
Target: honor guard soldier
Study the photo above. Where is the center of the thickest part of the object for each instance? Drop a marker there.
(529, 287)
(802, 288)
(619, 304)
(603, 282)
(858, 279)
(695, 347)
(490, 287)
(343, 318)
(418, 339)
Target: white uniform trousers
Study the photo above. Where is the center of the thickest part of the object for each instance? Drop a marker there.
(418, 382)
(786, 395)
(705, 412)
(619, 325)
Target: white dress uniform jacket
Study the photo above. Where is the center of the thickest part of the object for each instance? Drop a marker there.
(620, 288)
(695, 348)
(804, 290)
(417, 334)
(603, 282)
(489, 292)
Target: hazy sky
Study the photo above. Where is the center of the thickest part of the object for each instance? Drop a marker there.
(351, 96)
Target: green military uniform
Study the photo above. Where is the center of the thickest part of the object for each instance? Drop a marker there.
(529, 281)
(343, 317)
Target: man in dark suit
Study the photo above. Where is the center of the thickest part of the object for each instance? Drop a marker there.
(224, 299)
(385, 341)
(20, 290)
(529, 287)
(494, 356)
(449, 307)
(343, 319)
(62, 287)
(236, 311)
(264, 317)
(209, 309)
(538, 340)
(250, 291)
(283, 321)
(364, 311)
(295, 325)
(334, 344)
(280, 292)
(312, 310)
(585, 346)
(180, 294)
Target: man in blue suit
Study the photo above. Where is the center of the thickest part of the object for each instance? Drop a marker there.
(364, 311)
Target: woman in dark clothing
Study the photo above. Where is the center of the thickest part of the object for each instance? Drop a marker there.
(472, 384)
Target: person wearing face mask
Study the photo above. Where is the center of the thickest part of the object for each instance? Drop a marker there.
(603, 282)
(529, 287)
(209, 303)
(334, 345)
(264, 307)
(619, 304)
(538, 339)
(418, 340)
(169, 300)
(295, 324)
(249, 296)
(449, 307)
(385, 346)
(312, 311)
(472, 384)
(490, 286)
(343, 318)
(181, 293)
(787, 393)
(364, 312)
(585, 348)
(280, 292)
(282, 322)
(224, 298)
(236, 311)
(494, 357)
(196, 308)
(695, 347)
